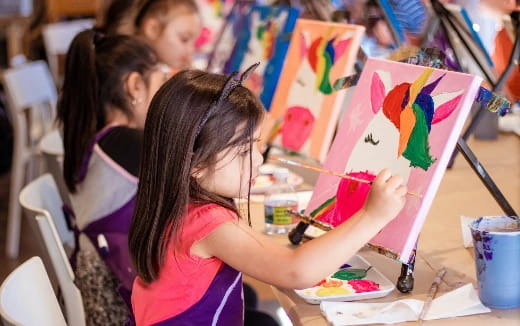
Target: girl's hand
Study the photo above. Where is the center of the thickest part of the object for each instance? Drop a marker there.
(386, 198)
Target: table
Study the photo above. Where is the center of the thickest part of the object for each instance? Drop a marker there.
(440, 243)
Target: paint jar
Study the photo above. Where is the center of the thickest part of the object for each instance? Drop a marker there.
(496, 242)
(280, 197)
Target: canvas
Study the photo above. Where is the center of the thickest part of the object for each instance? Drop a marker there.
(305, 108)
(393, 22)
(458, 56)
(218, 61)
(213, 14)
(474, 42)
(264, 38)
(403, 117)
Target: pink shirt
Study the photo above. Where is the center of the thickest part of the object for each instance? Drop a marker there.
(183, 278)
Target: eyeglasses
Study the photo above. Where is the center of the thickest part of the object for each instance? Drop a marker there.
(231, 83)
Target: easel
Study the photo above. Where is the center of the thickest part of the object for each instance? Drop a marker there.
(462, 145)
(515, 56)
(444, 17)
(406, 280)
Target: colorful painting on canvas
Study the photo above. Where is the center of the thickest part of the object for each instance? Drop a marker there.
(305, 109)
(403, 117)
(264, 38)
(213, 14)
(228, 35)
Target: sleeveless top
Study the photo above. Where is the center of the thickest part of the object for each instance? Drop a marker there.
(102, 209)
(192, 290)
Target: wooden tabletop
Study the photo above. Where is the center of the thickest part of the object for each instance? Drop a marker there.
(440, 243)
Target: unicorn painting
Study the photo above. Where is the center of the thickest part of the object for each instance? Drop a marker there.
(402, 117)
(305, 104)
(397, 137)
(264, 39)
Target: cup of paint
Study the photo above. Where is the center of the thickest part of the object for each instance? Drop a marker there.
(496, 243)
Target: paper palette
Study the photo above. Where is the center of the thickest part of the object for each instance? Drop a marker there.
(374, 285)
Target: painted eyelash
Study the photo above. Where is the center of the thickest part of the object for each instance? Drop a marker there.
(370, 139)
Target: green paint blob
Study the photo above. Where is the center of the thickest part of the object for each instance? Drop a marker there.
(260, 32)
(418, 150)
(325, 86)
(350, 274)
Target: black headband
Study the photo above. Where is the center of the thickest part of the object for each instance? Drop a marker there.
(229, 86)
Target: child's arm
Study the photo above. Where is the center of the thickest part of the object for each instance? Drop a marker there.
(262, 258)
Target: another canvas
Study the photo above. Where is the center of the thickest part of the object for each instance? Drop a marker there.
(218, 60)
(305, 108)
(473, 41)
(264, 38)
(213, 14)
(458, 56)
(403, 117)
(393, 22)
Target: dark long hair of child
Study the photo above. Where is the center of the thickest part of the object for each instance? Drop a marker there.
(95, 70)
(172, 151)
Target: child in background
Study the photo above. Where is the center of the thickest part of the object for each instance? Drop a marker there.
(187, 240)
(117, 17)
(108, 85)
(378, 41)
(171, 27)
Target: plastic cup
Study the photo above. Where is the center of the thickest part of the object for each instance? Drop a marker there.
(496, 242)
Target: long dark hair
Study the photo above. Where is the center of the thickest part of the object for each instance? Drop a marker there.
(173, 148)
(95, 70)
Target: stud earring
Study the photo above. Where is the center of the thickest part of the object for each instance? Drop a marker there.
(136, 101)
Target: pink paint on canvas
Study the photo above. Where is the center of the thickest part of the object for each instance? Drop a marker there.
(406, 118)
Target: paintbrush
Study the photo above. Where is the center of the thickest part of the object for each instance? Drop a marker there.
(431, 293)
(311, 221)
(317, 169)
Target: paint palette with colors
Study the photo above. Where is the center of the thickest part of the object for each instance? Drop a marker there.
(349, 283)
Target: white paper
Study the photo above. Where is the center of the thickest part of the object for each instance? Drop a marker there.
(460, 302)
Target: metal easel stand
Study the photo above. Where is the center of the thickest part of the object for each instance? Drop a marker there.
(513, 61)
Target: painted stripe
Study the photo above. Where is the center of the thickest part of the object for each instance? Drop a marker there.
(224, 300)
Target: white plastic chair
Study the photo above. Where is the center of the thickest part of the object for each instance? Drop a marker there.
(51, 148)
(31, 101)
(41, 202)
(27, 298)
(57, 38)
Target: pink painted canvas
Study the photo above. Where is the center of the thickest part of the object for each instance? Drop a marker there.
(305, 108)
(403, 117)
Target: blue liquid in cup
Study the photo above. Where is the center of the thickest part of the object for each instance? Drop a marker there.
(497, 256)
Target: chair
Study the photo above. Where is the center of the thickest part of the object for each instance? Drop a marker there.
(58, 9)
(51, 148)
(57, 38)
(27, 298)
(31, 102)
(41, 202)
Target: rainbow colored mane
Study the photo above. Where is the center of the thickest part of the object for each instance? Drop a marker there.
(322, 55)
(410, 108)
